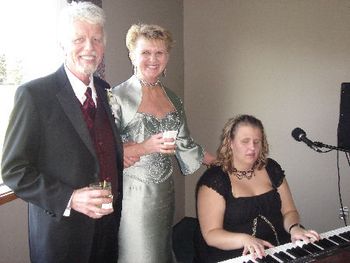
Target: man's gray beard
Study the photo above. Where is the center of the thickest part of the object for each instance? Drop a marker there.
(88, 70)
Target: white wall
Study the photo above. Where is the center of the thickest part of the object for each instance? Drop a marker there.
(282, 61)
(14, 237)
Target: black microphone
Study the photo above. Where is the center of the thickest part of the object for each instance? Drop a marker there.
(300, 135)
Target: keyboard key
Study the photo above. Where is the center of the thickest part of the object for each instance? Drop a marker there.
(345, 235)
(283, 256)
(325, 243)
(312, 248)
(338, 240)
(302, 251)
(295, 253)
(267, 259)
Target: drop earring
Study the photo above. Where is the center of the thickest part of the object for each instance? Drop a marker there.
(164, 73)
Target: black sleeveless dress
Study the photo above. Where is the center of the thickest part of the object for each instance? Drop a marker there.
(256, 215)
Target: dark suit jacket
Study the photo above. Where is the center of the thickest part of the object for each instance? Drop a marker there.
(47, 154)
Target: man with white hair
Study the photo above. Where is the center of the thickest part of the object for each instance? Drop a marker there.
(61, 138)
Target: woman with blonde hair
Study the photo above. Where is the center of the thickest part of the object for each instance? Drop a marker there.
(145, 111)
(244, 203)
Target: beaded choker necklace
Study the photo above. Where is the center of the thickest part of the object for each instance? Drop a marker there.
(144, 83)
(244, 174)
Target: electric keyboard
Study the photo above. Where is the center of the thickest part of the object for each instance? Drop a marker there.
(331, 243)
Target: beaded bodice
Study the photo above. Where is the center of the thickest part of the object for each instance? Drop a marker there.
(155, 167)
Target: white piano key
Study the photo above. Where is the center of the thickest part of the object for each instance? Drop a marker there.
(284, 247)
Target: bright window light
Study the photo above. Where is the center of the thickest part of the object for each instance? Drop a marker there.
(28, 47)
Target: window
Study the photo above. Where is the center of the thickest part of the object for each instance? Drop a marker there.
(28, 48)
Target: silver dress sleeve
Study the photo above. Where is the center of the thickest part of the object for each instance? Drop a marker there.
(188, 153)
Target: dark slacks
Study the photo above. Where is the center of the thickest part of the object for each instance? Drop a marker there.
(105, 244)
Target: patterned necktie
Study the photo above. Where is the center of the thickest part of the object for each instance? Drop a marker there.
(89, 108)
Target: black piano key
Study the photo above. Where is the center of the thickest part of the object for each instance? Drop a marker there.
(345, 235)
(338, 239)
(283, 256)
(271, 259)
(302, 251)
(325, 243)
(261, 260)
(294, 252)
(298, 252)
(312, 248)
(266, 259)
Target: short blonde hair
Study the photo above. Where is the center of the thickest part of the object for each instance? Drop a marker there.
(224, 151)
(149, 32)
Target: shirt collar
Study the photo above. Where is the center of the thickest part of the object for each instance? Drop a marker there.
(79, 87)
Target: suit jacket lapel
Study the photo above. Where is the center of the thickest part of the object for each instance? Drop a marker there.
(71, 106)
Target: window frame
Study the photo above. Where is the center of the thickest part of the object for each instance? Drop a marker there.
(6, 194)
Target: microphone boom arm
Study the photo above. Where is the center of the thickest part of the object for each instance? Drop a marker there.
(331, 147)
(300, 135)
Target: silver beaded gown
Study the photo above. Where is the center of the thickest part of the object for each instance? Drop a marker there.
(148, 187)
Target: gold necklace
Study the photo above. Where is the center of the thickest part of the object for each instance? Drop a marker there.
(243, 174)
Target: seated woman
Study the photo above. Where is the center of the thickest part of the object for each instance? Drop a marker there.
(244, 204)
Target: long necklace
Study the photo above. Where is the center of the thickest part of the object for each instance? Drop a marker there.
(244, 174)
(145, 83)
(255, 224)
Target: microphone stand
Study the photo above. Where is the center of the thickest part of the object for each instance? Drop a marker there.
(347, 151)
(331, 147)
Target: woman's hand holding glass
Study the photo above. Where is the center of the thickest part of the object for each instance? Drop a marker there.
(157, 143)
